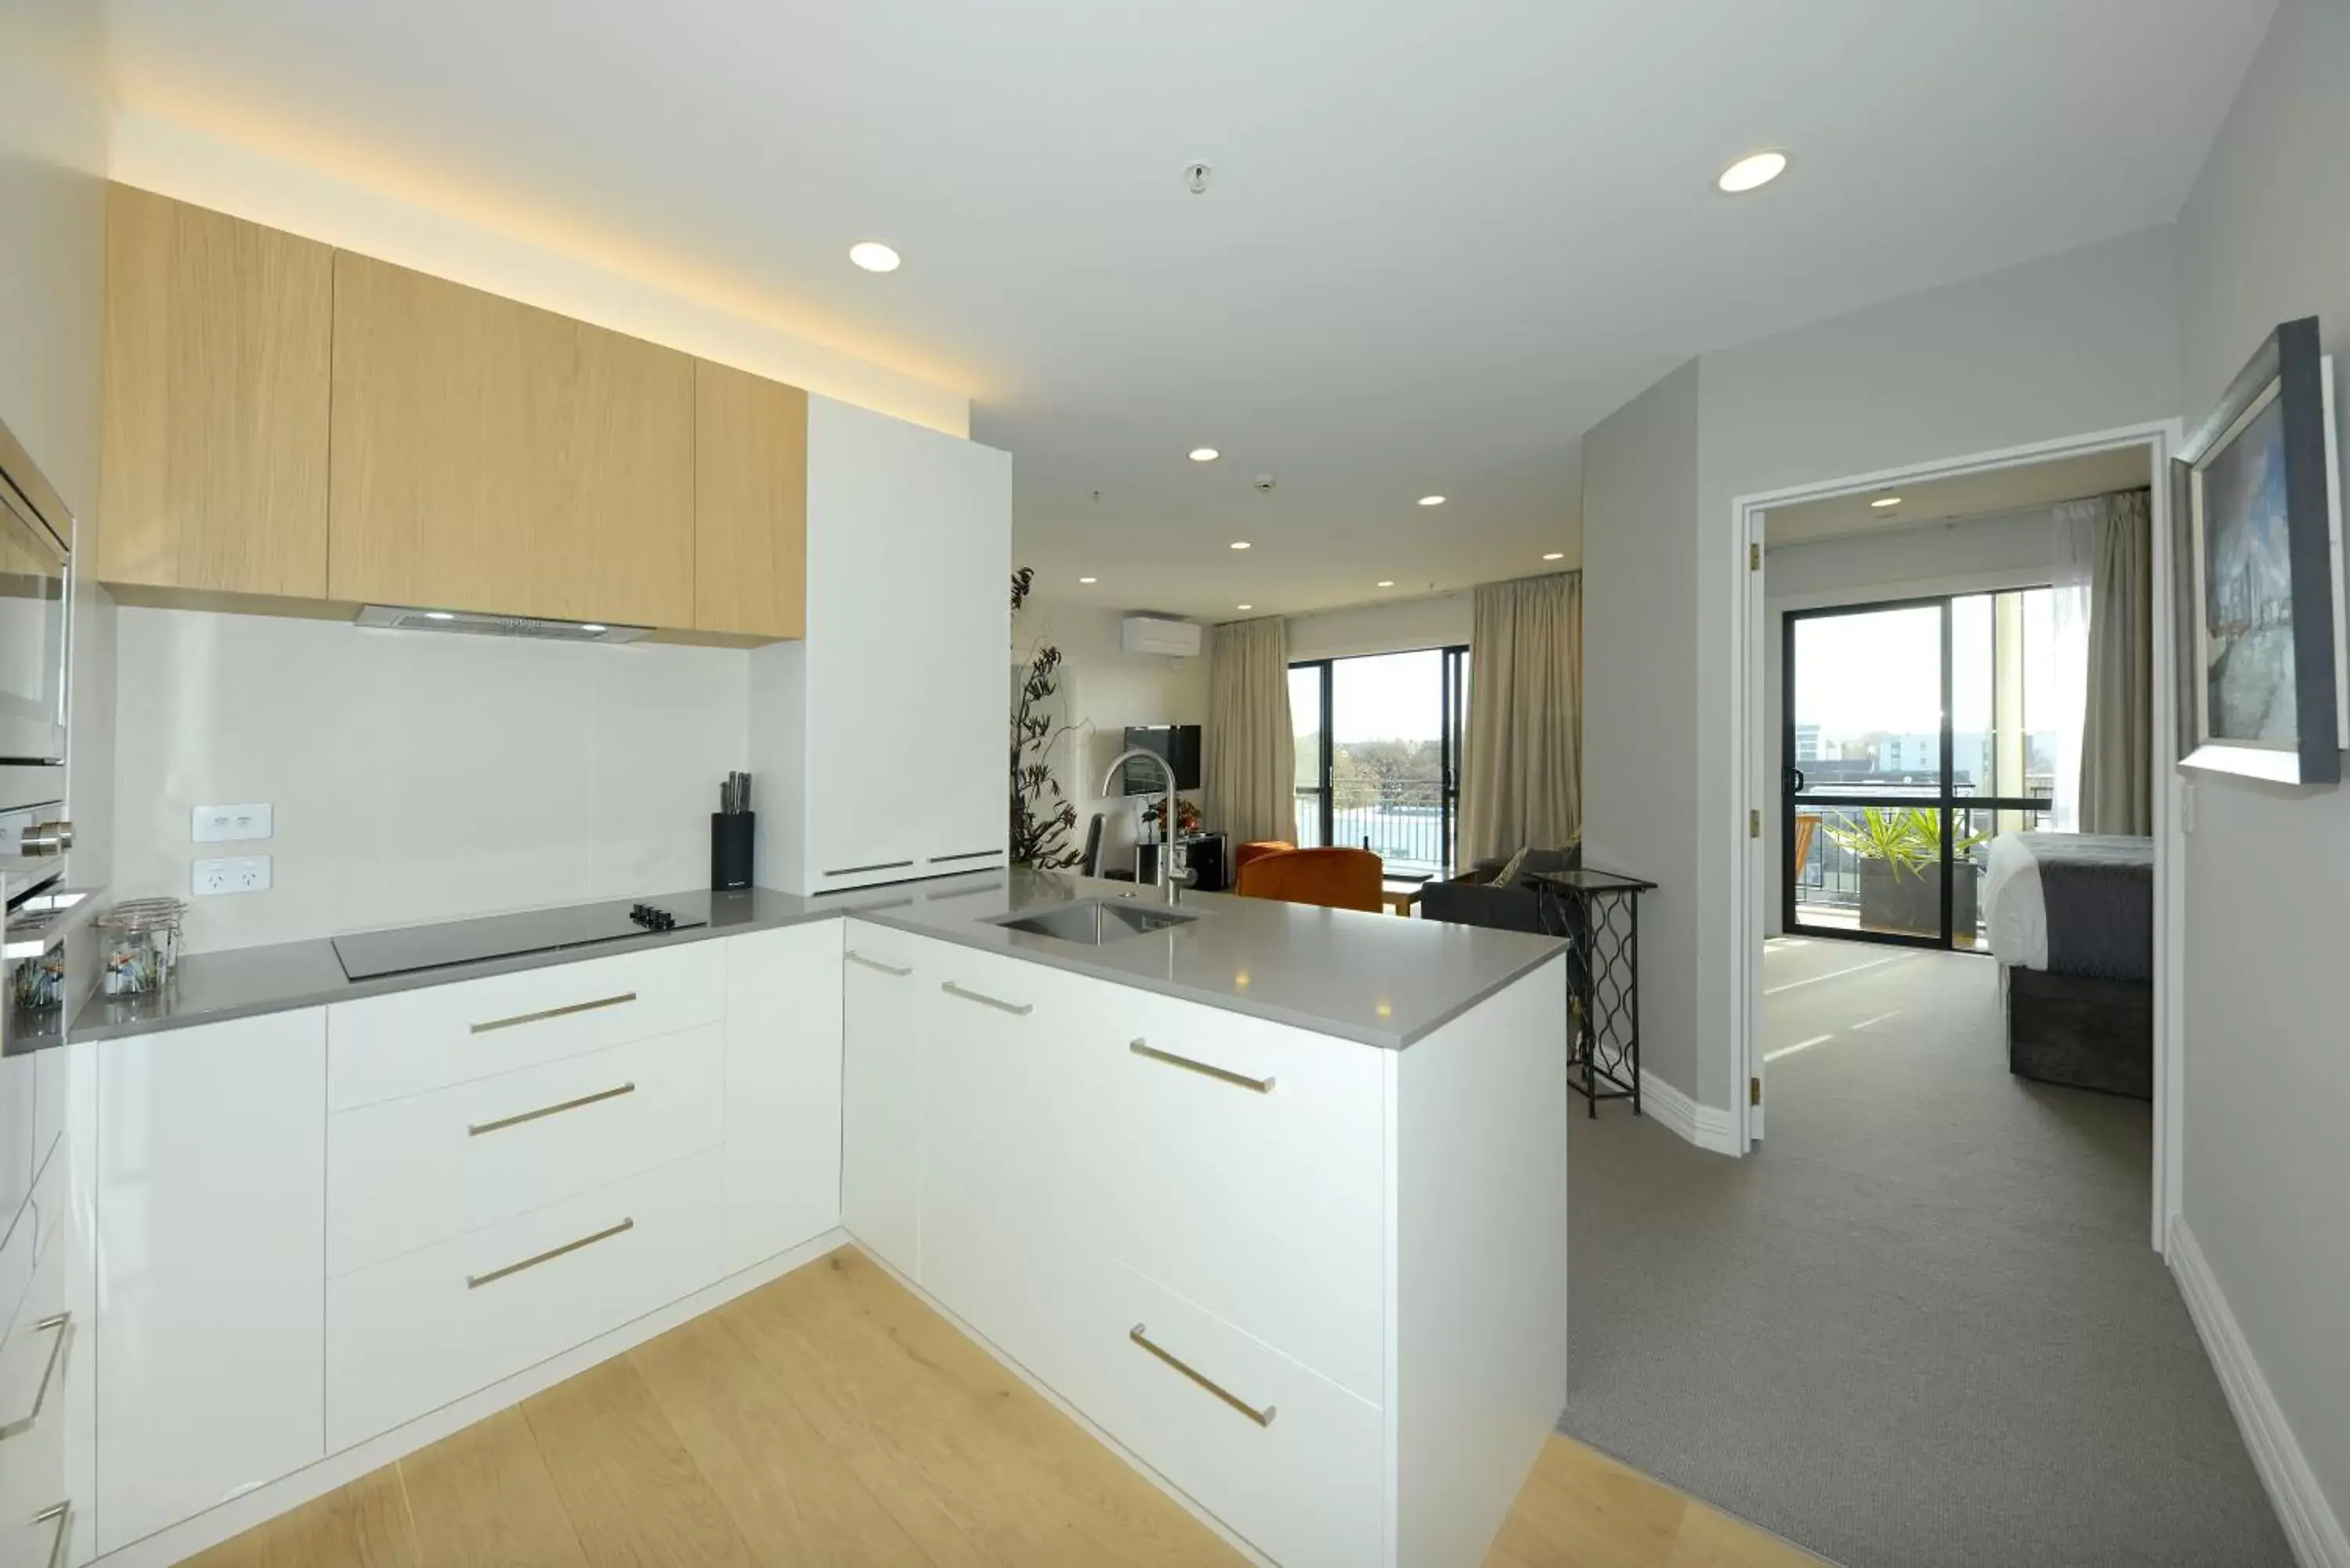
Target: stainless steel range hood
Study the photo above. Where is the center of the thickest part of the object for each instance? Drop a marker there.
(399, 619)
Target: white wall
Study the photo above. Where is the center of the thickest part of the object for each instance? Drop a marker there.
(1640, 677)
(1104, 688)
(2264, 238)
(53, 152)
(1975, 555)
(1390, 626)
(275, 188)
(416, 776)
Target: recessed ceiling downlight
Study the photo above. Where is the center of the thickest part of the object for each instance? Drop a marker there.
(1387, 582)
(1088, 580)
(1240, 544)
(1752, 173)
(873, 256)
(1555, 556)
(1244, 606)
(1431, 501)
(1205, 454)
(1882, 501)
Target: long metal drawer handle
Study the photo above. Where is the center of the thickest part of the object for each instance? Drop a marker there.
(475, 1282)
(1017, 1009)
(564, 1011)
(475, 1129)
(1262, 1085)
(855, 957)
(1140, 1335)
(63, 1513)
(56, 1348)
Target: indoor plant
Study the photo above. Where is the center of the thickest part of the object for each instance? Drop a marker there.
(1041, 814)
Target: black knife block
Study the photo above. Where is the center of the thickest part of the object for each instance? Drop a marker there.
(730, 848)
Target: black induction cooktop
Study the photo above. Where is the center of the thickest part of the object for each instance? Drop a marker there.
(403, 949)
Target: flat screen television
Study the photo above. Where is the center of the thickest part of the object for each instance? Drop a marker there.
(1179, 743)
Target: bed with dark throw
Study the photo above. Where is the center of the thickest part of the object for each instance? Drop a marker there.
(2069, 916)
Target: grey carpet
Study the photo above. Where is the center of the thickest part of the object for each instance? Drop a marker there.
(1923, 1326)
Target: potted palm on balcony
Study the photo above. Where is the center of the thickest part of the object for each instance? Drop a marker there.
(1899, 849)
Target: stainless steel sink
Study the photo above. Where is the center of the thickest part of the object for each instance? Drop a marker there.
(1094, 921)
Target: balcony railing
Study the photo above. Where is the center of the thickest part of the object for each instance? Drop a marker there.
(1403, 822)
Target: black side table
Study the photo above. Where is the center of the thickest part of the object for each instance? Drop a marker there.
(1602, 910)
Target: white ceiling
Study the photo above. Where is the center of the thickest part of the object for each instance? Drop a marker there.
(1991, 493)
(1442, 240)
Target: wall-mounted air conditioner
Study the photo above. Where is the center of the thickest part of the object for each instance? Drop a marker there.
(1150, 634)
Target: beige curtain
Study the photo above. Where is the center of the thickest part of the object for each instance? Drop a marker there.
(2116, 709)
(1521, 780)
(1251, 752)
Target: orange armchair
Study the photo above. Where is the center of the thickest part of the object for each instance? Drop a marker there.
(1335, 878)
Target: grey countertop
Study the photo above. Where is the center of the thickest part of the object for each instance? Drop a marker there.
(1374, 978)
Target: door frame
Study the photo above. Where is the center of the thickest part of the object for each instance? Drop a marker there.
(1745, 913)
(1944, 800)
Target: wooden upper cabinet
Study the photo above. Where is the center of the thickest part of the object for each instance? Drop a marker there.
(214, 441)
(491, 456)
(750, 533)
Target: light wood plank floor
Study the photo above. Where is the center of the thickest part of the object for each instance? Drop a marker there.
(831, 1418)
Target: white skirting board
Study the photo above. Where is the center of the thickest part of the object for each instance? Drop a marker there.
(1708, 1126)
(241, 1513)
(2309, 1521)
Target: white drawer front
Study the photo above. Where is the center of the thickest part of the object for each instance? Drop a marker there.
(32, 1370)
(403, 1174)
(1287, 1459)
(1264, 1205)
(385, 1047)
(410, 1334)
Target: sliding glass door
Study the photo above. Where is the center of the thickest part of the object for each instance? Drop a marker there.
(1379, 755)
(1914, 730)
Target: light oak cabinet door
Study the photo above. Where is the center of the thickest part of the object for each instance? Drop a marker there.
(491, 456)
(215, 464)
(750, 508)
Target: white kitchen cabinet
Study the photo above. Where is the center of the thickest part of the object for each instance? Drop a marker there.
(210, 1206)
(882, 978)
(413, 1332)
(406, 1173)
(879, 740)
(999, 1148)
(783, 1089)
(1242, 1166)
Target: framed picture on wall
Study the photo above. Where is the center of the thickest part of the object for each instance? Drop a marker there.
(2263, 677)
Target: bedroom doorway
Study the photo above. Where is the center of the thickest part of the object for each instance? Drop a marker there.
(1916, 730)
(1868, 509)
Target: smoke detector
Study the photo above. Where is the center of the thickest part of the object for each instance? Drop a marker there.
(1196, 176)
(1263, 484)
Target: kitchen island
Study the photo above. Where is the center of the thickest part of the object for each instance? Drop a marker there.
(1272, 1198)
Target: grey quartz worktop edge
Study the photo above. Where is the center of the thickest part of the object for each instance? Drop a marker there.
(1375, 979)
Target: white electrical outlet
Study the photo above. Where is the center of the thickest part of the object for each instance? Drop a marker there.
(219, 823)
(237, 874)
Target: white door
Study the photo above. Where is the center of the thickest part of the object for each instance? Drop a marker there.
(882, 1033)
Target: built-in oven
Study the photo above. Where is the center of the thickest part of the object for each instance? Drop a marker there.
(35, 613)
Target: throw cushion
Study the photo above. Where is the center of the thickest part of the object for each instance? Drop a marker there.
(1508, 875)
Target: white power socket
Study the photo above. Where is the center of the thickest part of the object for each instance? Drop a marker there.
(237, 874)
(213, 824)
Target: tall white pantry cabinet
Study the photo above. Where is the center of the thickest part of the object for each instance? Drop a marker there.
(879, 742)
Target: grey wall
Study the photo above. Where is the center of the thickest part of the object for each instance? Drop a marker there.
(1639, 680)
(2079, 342)
(1973, 555)
(53, 151)
(2265, 237)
